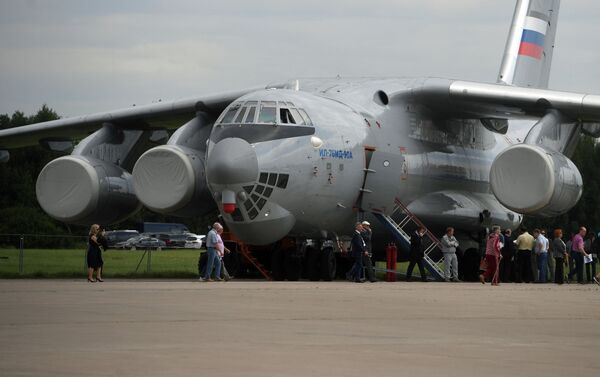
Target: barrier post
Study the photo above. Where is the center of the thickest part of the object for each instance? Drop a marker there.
(392, 255)
(21, 252)
(149, 260)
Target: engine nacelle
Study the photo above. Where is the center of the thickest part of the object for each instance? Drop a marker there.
(170, 179)
(533, 180)
(84, 190)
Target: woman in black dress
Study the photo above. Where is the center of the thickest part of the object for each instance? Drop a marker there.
(94, 255)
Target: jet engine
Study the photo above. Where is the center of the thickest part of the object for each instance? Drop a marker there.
(85, 190)
(170, 179)
(534, 180)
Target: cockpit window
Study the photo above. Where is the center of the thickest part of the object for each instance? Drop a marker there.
(240, 116)
(307, 120)
(286, 116)
(250, 116)
(297, 116)
(230, 114)
(268, 112)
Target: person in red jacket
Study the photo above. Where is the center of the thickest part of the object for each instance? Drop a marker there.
(492, 256)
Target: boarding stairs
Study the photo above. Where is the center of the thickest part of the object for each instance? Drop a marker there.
(400, 222)
(246, 253)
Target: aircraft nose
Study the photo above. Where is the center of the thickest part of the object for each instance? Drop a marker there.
(232, 161)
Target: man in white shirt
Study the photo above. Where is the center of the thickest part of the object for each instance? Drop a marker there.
(449, 245)
(541, 252)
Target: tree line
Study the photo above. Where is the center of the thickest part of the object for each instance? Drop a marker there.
(21, 214)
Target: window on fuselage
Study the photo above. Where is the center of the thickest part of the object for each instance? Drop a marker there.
(268, 112)
(230, 114)
(297, 117)
(250, 116)
(307, 120)
(286, 116)
(240, 115)
(251, 113)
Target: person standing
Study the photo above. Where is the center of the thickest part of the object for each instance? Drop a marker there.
(221, 250)
(416, 254)
(492, 256)
(358, 251)
(367, 235)
(94, 255)
(508, 254)
(591, 245)
(559, 252)
(541, 251)
(550, 263)
(212, 238)
(103, 243)
(449, 245)
(534, 265)
(524, 245)
(577, 254)
(570, 260)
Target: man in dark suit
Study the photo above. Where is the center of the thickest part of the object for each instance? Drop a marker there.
(367, 262)
(359, 249)
(416, 254)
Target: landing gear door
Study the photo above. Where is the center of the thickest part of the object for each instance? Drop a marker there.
(383, 178)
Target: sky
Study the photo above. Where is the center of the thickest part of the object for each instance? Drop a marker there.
(82, 56)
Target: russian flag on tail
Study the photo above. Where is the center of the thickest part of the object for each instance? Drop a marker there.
(532, 41)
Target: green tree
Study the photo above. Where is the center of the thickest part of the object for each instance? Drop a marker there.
(19, 211)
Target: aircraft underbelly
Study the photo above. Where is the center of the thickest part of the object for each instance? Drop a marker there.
(463, 210)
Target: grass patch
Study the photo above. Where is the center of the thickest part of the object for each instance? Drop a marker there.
(70, 263)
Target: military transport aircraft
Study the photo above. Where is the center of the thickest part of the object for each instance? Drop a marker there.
(309, 157)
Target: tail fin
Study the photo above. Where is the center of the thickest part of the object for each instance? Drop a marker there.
(528, 53)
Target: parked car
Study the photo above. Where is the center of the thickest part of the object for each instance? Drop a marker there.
(114, 237)
(148, 243)
(176, 240)
(128, 244)
(194, 241)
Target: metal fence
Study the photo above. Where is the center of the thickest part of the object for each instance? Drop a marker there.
(35, 255)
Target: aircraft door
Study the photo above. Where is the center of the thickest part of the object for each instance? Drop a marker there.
(383, 174)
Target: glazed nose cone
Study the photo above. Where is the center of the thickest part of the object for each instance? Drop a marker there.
(232, 161)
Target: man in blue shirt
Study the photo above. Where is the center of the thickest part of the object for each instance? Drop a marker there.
(541, 252)
(213, 261)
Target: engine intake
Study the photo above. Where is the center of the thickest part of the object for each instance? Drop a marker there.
(533, 180)
(84, 190)
(170, 179)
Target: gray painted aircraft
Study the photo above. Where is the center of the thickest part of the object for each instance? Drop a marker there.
(309, 157)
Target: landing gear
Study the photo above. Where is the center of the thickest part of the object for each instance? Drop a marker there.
(312, 258)
(293, 265)
(328, 264)
(286, 264)
(277, 268)
(232, 262)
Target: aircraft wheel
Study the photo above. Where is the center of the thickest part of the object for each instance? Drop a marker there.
(293, 265)
(277, 268)
(202, 264)
(328, 264)
(232, 263)
(314, 271)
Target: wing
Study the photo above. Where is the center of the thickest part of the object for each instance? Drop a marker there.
(463, 99)
(163, 115)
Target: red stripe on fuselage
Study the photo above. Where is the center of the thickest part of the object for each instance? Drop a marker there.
(530, 49)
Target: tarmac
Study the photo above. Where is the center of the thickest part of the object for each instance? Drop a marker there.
(256, 328)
